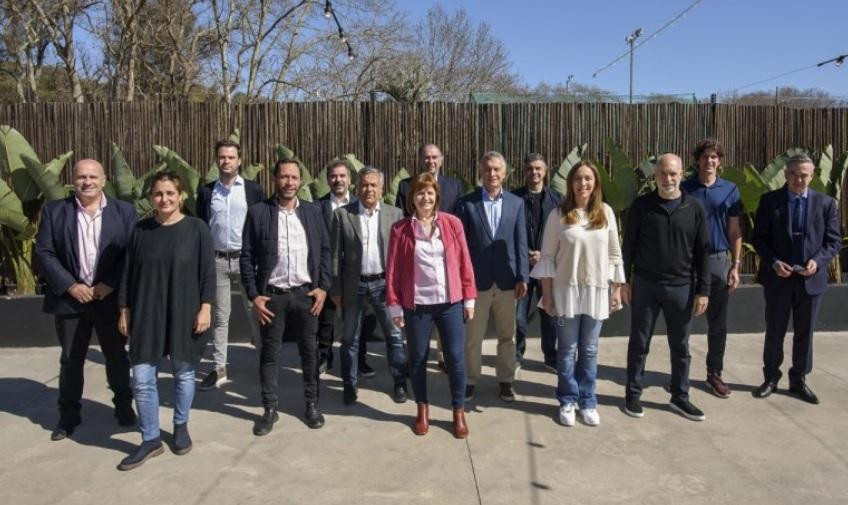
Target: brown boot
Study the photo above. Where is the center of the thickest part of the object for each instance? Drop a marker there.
(422, 422)
(460, 429)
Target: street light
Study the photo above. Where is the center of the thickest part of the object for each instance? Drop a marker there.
(568, 81)
(631, 39)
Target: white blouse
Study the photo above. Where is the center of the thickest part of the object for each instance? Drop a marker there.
(582, 263)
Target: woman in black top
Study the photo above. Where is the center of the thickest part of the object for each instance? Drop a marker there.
(165, 298)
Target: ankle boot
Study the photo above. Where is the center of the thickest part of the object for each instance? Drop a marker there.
(422, 422)
(182, 440)
(460, 429)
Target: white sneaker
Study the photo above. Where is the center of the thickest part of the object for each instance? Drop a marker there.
(590, 417)
(567, 414)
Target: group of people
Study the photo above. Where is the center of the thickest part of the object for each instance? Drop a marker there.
(436, 264)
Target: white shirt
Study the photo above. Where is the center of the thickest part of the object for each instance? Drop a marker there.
(431, 286)
(88, 240)
(335, 203)
(228, 211)
(369, 226)
(292, 267)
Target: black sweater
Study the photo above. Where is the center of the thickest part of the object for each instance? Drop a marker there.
(667, 248)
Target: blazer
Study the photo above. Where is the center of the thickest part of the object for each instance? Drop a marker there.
(450, 187)
(400, 270)
(500, 257)
(773, 239)
(551, 200)
(252, 191)
(56, 252)
(259, 246)
(346, 241)
(327, 208)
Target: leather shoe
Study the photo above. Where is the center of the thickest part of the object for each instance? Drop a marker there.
(765, 389)
(126, 416)
(400, 395)
(802, 391)
(350, 394)
(422, 422)
(266, 423)
(314, 418)
(182, 440)
(145, 451)
(63, 430)
(460, 429)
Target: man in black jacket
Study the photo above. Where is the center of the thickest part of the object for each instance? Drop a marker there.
(223, 204)
(430, 159)
(285, 269)
(665, 250)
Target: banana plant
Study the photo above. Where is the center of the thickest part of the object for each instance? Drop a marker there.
(249, 172)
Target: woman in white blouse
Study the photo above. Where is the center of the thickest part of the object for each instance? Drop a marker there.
(581, 272)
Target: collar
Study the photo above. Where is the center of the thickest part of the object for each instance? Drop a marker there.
(415, 218)
(488, 198)
(793, 196)
(296, 205)
(719, 182)
(238, 181)
(340, 201)
(363, 210)
(100, 207)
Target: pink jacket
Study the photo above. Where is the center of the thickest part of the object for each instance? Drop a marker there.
(400, 273)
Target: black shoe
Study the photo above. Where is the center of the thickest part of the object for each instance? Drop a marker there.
(400, 395)
(266, 422)
(633, 407)
(63, 430)
(802, 391)
(687, 410)
(324, 364)
(441, 365)
(469, 392)
(667, 387)
(145, 451)
(314, 418)
(213, 379)
(507, 394)
(350, 394)
(182, 440)
(365, 369)
(765, 389)
(126, 416)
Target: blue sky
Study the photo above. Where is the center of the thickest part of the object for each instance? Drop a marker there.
(718, 46)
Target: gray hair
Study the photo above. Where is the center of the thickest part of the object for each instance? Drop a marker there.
(492, 155)
(368, 170)
(530, 158)
(799, 159)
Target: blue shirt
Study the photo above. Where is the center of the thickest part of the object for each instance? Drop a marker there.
(493, 209)
(720, 201)
(228, 212)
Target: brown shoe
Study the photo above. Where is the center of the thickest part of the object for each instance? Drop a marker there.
(422, 422)
(717, 385)
(460, 429)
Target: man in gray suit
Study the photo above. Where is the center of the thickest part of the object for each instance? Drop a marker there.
(360, 242)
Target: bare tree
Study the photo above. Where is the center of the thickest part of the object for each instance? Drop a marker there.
(787, 96)
(119, 29)
(24, 47)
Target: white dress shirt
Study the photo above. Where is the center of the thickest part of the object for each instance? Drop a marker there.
(369, 226)
(228, 211)
(89, 228)
(335, 203)
(292, 267)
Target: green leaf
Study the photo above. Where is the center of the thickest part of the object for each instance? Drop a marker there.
(355, 164)
(142, 184)
(47, 182)
(773, 174)
(188, 175)
(211, 174)
(11, 210)
(249, 172)
(834, 186)
(623, 174)
(612, 193)
(391, 195)
(235, 136)
(751, 185)
(13, 146)
(283, 152)
(319, 186)
(123, 177)
(304, 194)
(647, 167)
(110, 190)
(559, 180)
(56, 165)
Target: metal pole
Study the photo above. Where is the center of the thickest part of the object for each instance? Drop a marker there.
(632, 40)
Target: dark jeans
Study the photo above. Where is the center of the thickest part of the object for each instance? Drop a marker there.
(719, 266)
(74, 332)
(371, 293)
(419, 324)
(782, 298)
(647, 298)
(327, 329)
(289, 309)
(547, 325)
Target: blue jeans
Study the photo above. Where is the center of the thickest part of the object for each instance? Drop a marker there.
(448, 319)
(577, 337)
(146, 391)
(373, 292)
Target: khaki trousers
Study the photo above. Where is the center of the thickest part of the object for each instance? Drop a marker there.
(502, 303)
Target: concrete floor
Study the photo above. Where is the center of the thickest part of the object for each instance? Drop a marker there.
(772, 451)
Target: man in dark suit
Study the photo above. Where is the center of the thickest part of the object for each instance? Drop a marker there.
(539, 201)
(80, 250)
(285, 269)
(223, 205)
(496, 233)
(430, 159)
(339, 180)
(360, 242)
(796, 234)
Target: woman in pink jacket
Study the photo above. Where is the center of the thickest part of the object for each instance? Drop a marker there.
(429, 280)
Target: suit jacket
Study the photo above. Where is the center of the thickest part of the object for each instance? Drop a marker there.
(773, 238)
(451, 190)
(56, 252)
(500, 257)
(400, 270)
(327, 208)
(259, 246)
(347, 246)
(252, 192)
(551, 199)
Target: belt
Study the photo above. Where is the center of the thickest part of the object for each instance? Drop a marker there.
(227, 254)
(274, 290)
(371, 278)
(718, 254)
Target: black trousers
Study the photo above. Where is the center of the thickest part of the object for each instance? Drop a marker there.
(647, 298)
(327, 328)
(290, 309)
(547, 325)
(74, 333)
(719, 267)
(789, 296)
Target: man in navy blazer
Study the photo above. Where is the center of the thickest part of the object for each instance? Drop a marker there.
(496, 233)
(80, 251)
(796, 234)
(285, 269)
(430, 160)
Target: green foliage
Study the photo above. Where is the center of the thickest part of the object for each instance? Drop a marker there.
(391, 194)
(751, 185)
(560, 177)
